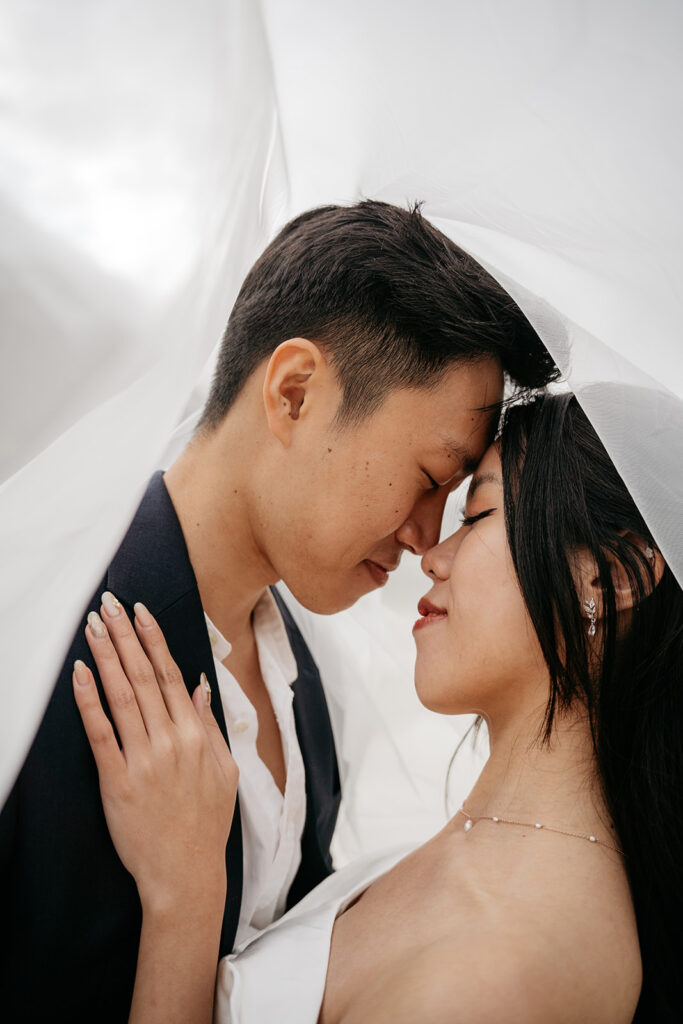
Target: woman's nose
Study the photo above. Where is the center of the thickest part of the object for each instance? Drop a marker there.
(437, 561)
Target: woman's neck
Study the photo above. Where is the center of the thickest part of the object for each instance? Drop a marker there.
(554, 783)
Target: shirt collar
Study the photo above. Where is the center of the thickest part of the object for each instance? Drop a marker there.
(270, 632)
(220, 647)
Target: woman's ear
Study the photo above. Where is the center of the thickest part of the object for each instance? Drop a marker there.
(620, 577)
(589, 581)
(293, 376)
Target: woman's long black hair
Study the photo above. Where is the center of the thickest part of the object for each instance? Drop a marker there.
(562, 492)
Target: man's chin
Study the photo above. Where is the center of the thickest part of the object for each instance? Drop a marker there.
(329, 601)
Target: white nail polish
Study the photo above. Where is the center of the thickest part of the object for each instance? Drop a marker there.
(112, 605)
(205, 687)
(142, 614)
(81, 673)
(96, 625)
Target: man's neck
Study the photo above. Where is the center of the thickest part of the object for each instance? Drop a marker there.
(212, 507)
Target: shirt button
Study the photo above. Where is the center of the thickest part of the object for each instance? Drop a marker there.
(241, 725)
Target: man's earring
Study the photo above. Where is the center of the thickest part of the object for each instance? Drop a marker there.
(650, 555)
(589, 608)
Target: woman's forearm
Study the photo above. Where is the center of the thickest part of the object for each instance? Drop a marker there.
(177, 961)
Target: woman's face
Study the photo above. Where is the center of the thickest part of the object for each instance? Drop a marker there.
(477, 651)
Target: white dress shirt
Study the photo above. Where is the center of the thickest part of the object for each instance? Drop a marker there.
(272, 822)
(279, 974)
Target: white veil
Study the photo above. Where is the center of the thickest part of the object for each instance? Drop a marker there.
(150, 151)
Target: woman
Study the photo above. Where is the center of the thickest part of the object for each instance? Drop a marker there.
(553, 894)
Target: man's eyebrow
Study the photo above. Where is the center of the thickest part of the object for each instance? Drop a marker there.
(462, 455)
(479, 480)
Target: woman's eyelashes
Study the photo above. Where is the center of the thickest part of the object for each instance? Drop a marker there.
(433, 484)
(471, 520)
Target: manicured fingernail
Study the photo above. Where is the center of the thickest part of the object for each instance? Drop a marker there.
(112, 605)
(81, 673)
(142, 615)
(205, 687)
(96, 625)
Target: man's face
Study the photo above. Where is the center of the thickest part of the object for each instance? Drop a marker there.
(352, 500)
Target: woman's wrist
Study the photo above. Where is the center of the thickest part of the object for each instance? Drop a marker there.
(179, 950)
(200, 894)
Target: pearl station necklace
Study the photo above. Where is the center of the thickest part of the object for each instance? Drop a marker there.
(471, 820)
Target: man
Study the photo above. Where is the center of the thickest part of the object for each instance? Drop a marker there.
(358, 382)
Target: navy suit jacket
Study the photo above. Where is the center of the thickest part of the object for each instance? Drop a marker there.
(70, 910)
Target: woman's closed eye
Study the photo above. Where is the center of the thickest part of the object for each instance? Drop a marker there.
(471, 520)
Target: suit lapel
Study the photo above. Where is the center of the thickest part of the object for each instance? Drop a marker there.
(323, 793)
(153, 566)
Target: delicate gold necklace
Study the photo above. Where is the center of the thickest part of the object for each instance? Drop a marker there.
(471, 820)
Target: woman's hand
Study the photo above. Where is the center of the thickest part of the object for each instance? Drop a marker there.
(169, 790)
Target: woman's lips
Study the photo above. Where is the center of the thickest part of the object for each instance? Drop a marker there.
(429, 614)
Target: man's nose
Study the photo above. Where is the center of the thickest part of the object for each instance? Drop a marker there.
(421, 530)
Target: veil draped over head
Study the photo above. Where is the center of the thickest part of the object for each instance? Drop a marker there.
(151, 151)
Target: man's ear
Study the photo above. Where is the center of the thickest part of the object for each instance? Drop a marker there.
(589, 582)
(293, 377)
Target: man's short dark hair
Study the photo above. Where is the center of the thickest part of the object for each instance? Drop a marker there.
(392, 301)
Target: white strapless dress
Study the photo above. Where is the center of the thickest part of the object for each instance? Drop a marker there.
(279, 974)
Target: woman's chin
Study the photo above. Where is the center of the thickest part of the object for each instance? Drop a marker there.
(434, 697)
(444, 694)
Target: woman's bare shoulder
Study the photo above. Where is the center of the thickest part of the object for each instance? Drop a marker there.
(517, 973)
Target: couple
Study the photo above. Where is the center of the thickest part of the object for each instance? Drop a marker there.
(359, 381)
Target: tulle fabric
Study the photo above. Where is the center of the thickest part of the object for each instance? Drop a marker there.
(141, 168)
(151, 150)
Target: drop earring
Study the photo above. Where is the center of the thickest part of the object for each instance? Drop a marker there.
(589, 608)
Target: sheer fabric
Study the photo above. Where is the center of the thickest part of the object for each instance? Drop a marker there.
(151, 151)
(141, 163)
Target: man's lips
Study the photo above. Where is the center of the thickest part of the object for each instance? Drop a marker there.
(379, 572)
(429, 614)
